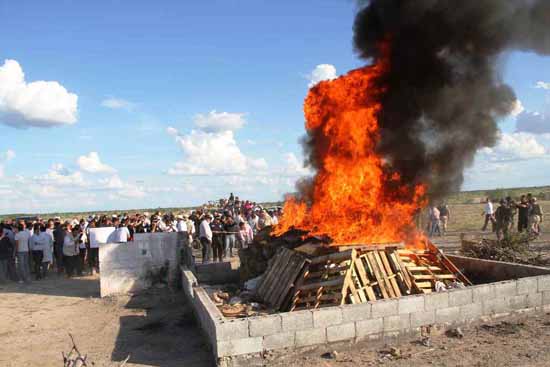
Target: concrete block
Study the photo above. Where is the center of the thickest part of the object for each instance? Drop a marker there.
(410, 304)
(518, 302)
(297, 320)
(471, 312)
(460, 297)
(506, 289)
(311, 337)
(235, 347)
(232, 329)
(534, 300)
(327, 317)
(369, 327)
(422, 318)
(546, 298)
(279, 341)
(397, 323)
(433, 301)
(543, 283)
(351, 313)
(527, 285)
(483, 293)
(382, 308)
(447, 315)
(496, 306)
(341, 332)
(265, 325)
(392, 323)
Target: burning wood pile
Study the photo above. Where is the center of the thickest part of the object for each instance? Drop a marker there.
(354, 274)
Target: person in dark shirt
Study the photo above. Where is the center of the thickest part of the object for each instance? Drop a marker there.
(59, 237)
(6, 253)
(231, 229)
(523, 214)
(217, 238)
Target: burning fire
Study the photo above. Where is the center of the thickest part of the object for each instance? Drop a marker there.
(356, 199)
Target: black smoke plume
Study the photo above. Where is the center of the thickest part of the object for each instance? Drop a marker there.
(444, 93)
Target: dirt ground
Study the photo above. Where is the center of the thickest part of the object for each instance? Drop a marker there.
(157, 329)
(154, 329)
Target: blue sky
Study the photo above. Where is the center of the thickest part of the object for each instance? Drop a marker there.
(146, 74)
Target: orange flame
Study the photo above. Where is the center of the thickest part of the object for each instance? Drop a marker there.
(355, 199)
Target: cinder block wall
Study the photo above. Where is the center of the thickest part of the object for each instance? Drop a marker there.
(125, 266)
(378, 320)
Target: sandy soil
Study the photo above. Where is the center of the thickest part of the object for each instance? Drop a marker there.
(155, 329)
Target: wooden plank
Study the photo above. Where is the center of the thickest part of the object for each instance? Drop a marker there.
(389, 272)
(335, 258)
(269, 275)
(373, 265)
(387, 283)
(448, 263)
(434, 276)
(329, 283)
(271, 292)
(394, 257)
(348, 285)
(364, 279)
(328, 271)
(289, 281)
(423, 268)
(424, 284)
(335, 297)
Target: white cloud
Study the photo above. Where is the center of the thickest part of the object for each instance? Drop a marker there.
(515, 146)
(113, 182)
(171, 131)
(206, 153)
(219, 121)
(118, 104)
(517, 108)
(59, 175)
(320, 73)
(92, 163)
(39, 103)
(542, 85)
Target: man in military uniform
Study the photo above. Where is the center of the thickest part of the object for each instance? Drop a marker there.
(503, 216)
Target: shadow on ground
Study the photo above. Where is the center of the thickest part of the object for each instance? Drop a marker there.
(57, 285)
(166, 336)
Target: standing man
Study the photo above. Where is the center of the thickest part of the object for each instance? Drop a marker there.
(6, 251)
(523, 214)
(489, 214)
(93, 252)
(22, 238)
(205, 235)
(231, 229)
(59, 237)
(536, 216)
(444, 216)
(434, 220)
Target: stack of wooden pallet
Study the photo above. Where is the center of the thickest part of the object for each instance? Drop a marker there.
(356, 275)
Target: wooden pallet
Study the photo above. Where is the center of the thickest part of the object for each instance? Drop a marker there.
(280, 277)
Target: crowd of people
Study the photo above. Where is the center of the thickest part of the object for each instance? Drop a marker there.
(36, 247)
(525, 215)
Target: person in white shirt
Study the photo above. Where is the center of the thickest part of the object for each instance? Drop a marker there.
(46, 243)
(93, 251)
(489, 214)
(37, 253)
(121, 233)
(70, 251)
(22, 238)
(253, 222)
(205, 235)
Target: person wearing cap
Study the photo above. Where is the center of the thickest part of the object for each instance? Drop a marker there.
(205, 236)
